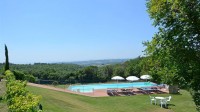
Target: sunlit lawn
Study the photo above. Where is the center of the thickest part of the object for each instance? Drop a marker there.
(54, 101)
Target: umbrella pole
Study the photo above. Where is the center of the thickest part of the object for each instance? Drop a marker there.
(117, 84)
(132, 85)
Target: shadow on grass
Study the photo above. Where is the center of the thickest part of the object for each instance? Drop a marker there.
(168, 106)
(176, 94)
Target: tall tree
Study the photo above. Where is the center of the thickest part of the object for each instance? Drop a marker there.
(7, 60)
(175, 48)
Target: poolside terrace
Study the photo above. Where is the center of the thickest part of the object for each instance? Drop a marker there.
(110, 92)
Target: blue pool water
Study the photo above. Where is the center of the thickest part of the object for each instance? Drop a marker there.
(91, 87)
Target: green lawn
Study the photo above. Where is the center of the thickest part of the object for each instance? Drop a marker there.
(3, 104)
(54, 101)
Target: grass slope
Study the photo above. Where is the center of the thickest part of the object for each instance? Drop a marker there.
(54, 101)
(3, 104)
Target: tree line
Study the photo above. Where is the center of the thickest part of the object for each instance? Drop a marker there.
(72, 73)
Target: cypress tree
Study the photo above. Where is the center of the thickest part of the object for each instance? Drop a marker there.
(7, 61)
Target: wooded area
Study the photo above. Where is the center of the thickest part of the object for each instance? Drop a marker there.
(71, 73)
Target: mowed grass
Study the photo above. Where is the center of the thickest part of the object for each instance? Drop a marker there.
(3, 104)
(54, 101)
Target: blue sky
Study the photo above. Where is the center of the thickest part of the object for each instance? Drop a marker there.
(73, 30)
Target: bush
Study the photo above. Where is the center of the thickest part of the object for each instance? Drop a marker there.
(27, 103)
(19, 75)
(18, 98)
(30, 78)
(55, 83)
(9, 76)
(15, 89)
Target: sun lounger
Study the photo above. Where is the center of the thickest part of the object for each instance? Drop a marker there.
(149, 90)
(110, 93)
(139, 92)
(163, 86)
(127, 92)
(113, 92)
(146, 90)
(123, 90)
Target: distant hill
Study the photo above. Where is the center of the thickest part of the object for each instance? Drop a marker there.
(99, 62)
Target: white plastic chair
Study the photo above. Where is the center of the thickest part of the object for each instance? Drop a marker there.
(163, 102)
(152, 99)
(168, 98)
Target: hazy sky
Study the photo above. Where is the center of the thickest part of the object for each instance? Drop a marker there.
(73, 30)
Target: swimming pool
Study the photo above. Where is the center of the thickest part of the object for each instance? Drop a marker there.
(91, 87)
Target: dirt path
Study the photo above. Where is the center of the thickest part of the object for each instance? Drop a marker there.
(68, 91)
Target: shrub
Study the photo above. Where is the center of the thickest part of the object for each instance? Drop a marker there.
(55, 83)
(19, 75)
(9, 76)
(30, 78)
(27, 103)
(15, 89)
(18, 98)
